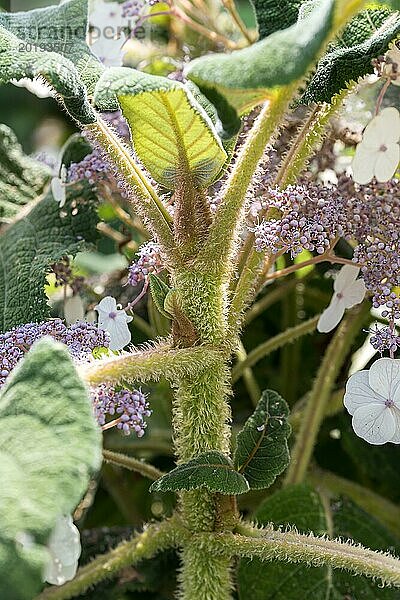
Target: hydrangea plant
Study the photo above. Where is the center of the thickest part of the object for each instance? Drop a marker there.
(218, 196)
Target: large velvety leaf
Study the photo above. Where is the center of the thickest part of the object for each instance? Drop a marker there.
(211, 470)
(246, 77)
(172, 134)
(301, 506)
(61, 29)
(18, 59)
(32, 244)
(22, 178)
(272, 15)
(367, 36)
(262, 451)
(50, 445)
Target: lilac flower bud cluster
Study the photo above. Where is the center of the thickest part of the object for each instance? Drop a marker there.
(81, 339)
(149, 261)
(311, 217)
(132, 8)
(385, 338)
(129, 408)
(94, 167)
(377, 231)
(118, 122)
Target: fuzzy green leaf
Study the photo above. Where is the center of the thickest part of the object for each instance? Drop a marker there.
(211, 470)
(22, 178)
(246, 77)
(272, 15)
(367, 36)
(262, 451)
(301, 506)
(50, 445)
(58, 29)
(159, 292)
(32, 244)
(29, 56)
(172, 134)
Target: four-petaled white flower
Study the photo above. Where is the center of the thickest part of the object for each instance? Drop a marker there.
(348, 291)
(378, 154)
(373, 398)
(115, 321)
(64, 547)
(58, 186)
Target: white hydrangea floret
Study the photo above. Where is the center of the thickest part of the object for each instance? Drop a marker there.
(115, 321)
(348, 291)
(378, 154)
(64, 547)
(373, 399)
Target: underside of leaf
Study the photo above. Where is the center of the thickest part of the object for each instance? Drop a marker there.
(172, 134)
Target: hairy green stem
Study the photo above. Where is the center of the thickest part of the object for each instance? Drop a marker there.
(201, 414)
(132, 464)
(225, 230)
(292, 547)
(154, 539)
(315, 410)
(286, 337)
(202, 578)
(306, 141)
(370, 501)
(147, 202)
(247, 286)
(150, 365)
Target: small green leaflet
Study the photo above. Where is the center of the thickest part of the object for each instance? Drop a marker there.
(50, 446)
(248, 76)
(159, 292)
(32, 244)
(262, 451)
(211, 470)
(60, 29)
(172, 134)
(367, 36)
